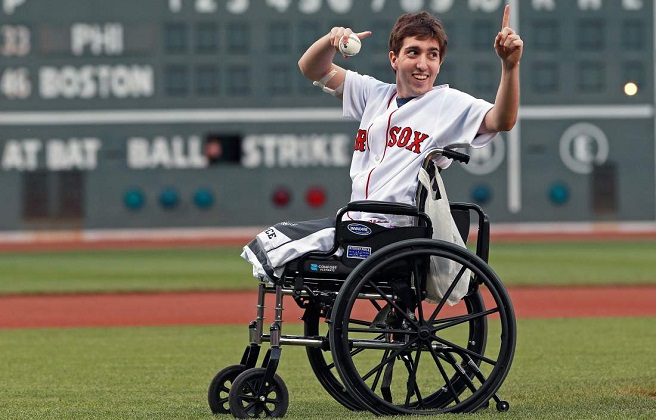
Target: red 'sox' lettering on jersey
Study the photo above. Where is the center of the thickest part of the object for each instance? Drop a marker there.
(405, 137)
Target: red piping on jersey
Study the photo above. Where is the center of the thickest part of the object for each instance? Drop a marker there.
(389, 122)
(368, 128)
(390, 99)
(388, 105)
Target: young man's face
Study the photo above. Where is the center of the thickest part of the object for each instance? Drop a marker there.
(416, 66)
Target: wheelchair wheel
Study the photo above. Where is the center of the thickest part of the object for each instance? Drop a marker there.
(252, 396)
(217, 394)
(414, 356)
(324, 369)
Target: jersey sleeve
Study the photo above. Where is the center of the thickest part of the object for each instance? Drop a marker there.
(357, 90)
(465, 115)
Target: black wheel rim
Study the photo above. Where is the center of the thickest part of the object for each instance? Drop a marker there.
(217, 395)
(250, 398)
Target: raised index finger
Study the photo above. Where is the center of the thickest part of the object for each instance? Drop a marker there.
(506, 17)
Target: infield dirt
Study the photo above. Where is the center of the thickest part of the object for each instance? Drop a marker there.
(203, 308)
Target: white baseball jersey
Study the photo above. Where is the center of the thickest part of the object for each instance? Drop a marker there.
(392, 142)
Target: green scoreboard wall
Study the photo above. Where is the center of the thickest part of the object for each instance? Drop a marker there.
(181, 113)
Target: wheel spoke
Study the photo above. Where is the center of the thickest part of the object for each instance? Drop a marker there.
(250, 406)
(379, 372)
(272, 400)
(386, 360)
(412, 387)
(400, 311)
(376, 305)
(447, 294)
(252, 386)
(458, 349)
(418, 291)
(479, 375)
(446, 378)
(453, 321)
(460, 371)
(359, 321)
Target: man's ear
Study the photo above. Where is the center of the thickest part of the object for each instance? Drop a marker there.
(392, 58)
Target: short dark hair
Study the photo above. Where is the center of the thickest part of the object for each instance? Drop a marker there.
(421, 25)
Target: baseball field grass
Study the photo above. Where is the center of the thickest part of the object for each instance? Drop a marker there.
(580, 368)
(563, 369)
(220, 268)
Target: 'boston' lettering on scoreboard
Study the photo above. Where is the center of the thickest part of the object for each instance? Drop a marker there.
(85, 82)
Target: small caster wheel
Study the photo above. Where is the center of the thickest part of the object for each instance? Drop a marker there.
(248, 398)
(217, 394)
(503, 406)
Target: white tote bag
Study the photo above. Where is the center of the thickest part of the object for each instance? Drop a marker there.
(443, 271)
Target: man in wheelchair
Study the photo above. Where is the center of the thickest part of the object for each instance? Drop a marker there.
(390, 346)
(400, 124)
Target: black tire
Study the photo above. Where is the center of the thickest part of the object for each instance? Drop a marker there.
(324, 369)
(431, 358)
(217, 394)
(250, 398)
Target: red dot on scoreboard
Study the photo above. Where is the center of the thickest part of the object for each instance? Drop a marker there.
(315, 197)
(281, 197)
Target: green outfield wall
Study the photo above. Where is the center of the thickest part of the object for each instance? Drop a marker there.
(192, 113)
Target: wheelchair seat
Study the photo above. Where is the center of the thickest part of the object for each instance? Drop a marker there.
(355, 240)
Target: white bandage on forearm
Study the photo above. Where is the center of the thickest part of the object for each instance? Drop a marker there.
(322, 84)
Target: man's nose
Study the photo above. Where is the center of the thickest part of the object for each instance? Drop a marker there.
(421, 63)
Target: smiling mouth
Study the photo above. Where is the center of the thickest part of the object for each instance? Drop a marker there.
(420, 76)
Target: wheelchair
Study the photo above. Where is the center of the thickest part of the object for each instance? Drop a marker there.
(373, 338)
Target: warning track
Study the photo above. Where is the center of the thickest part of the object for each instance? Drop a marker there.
(217, 308)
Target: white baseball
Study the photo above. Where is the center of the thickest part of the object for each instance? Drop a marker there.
(352, 46)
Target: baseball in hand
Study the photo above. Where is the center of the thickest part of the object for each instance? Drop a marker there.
(351, 47)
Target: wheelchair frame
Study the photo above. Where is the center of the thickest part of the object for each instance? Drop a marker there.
(391, 281)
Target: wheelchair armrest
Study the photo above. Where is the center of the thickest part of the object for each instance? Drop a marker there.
(483, 240)
(383, 207)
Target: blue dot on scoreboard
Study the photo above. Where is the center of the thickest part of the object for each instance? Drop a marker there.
(134, 199)
(203, 198)
(482, 194)
(559, 193)
(169, 198)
